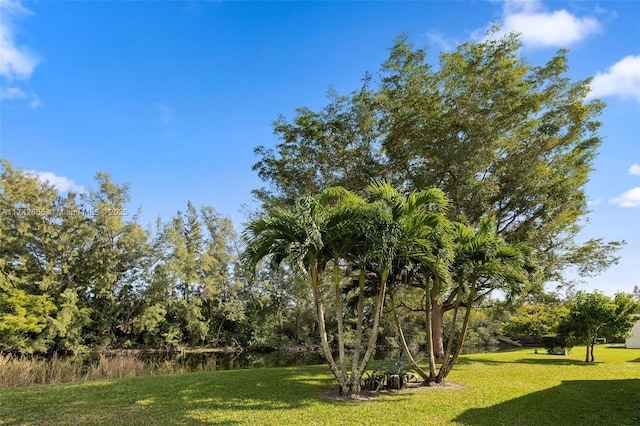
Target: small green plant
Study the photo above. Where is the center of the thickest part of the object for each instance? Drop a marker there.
(374, 381)
(393, 377)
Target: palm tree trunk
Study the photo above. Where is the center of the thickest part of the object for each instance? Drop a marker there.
(358, 339)
(376, 322)
(449, 363)
(437, 327)
(339, 313)
(428, 318)
(317, 296)
(452, 335)
(403, 341)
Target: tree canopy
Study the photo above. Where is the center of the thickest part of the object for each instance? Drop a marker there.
(502, 137)
(593, 315)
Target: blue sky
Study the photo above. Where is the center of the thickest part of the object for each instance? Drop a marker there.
(172, 97)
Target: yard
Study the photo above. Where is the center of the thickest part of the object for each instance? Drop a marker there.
(518, 387)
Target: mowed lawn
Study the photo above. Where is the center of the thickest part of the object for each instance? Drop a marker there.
(505, 388)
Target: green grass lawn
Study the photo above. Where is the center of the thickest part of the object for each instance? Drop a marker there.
(505, 388)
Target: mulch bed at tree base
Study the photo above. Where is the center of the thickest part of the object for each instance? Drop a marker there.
(367, 395)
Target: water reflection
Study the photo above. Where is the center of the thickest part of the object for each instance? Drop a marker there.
(213, 361)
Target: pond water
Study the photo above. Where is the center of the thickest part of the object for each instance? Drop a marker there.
(212, 361)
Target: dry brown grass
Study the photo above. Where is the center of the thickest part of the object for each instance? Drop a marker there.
(26, 371)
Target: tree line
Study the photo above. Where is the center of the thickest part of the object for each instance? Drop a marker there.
(79, 272)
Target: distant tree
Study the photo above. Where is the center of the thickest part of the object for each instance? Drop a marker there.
(534, 321)
(27, 230)
(593, 315)
(73, 261)
(193, 292)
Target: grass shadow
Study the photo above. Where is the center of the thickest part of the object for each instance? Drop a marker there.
(573, 402)
(541, 359)
(556, 360)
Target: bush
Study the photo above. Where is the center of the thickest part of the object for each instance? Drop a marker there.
(554, 344)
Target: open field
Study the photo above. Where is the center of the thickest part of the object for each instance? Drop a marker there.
(504, 388)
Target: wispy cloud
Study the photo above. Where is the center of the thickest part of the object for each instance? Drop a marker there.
(12, 93)
(35, 102)
(630, 198)
(541, 28)
(167, 114)
(593, 203)
(438, 39)
(634, 170)
(17, 62)
(61, 183)
(621, 79)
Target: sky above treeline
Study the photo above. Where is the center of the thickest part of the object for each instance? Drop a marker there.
(172, 97)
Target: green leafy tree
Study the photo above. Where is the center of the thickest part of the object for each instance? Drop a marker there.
(23, 317)
(27, 228)
(593, 315)
(338, 146)
(193, 292)
(115, 262)
(534, 321)
(502, 137)
(370, 236)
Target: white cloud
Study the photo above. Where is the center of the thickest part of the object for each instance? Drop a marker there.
(12, 93)
(630, 198)
(35, 102)
(621, 79)
(61, 183)
(436, 38)
(17, 61)
(541, 28)
(593, 203)
(634, 170)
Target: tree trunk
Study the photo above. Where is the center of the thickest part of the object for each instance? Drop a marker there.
(403, 341)
(452, 329)
(437, 316)
(429, 319)
(588, 343)
(358, 339)
(338, 298)
(317, 296)
(376, 322)
(450, 362)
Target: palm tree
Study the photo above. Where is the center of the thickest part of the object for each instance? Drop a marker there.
(423, 251)
(483, 263)
(469, 263)
(413, 235)
(316, 231)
